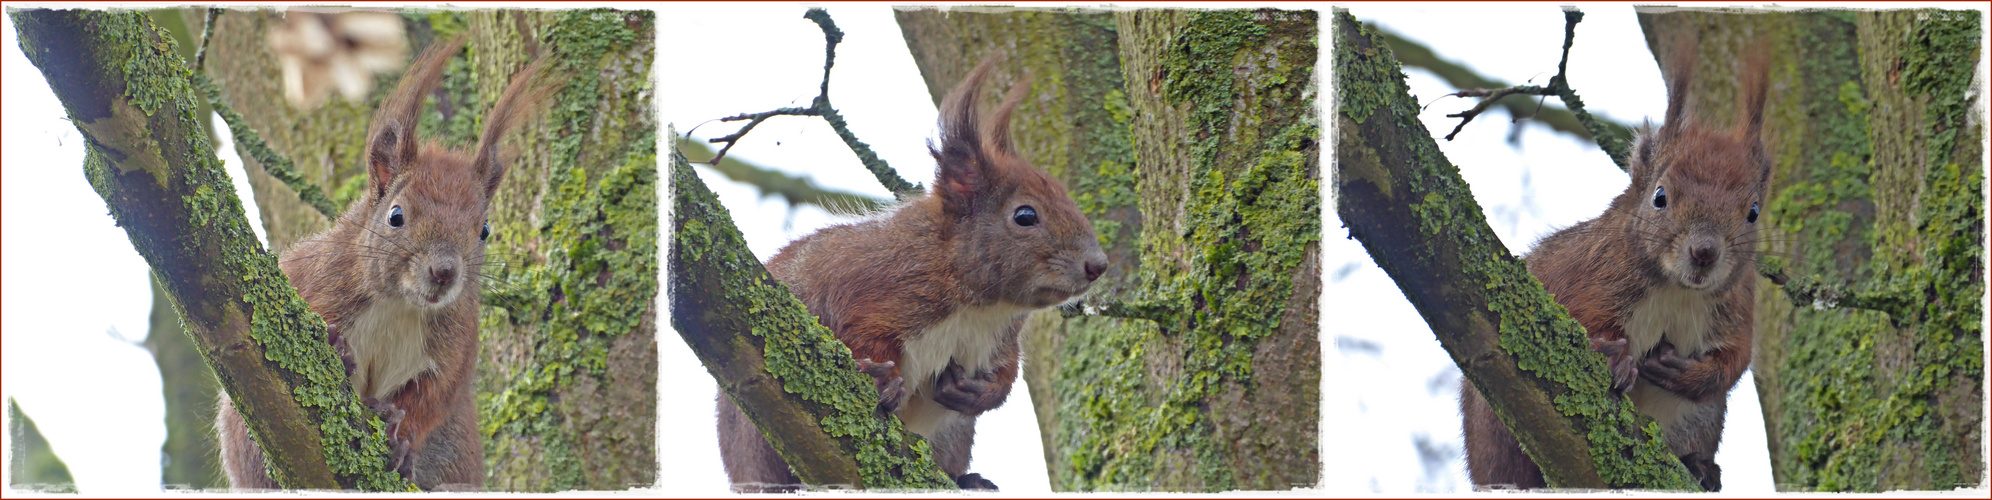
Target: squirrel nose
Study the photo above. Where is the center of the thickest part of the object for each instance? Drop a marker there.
(1094, 268)
(1702, 256)
(442, 275)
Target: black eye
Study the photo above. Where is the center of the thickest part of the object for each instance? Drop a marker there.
(1026, 216)
(394, 218)
(1752, 218)
(486, 233)
(1660, 197)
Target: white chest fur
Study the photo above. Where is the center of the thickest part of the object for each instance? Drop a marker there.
(970, 337)
(1682, 317)
(389, 346)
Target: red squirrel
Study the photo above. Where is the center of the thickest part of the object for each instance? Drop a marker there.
(1664, 281)
(930, 296)
(396, 281)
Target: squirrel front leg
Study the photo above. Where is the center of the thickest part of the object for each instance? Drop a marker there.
(972, 394)
(1696, 377)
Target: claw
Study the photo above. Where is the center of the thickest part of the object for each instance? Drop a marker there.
(968, 395)
(891, 387)
(401, 452)
(1624, 370)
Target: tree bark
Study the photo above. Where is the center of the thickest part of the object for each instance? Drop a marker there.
(128, 93)
(1202, 180)
(1414, 214)
(784, 369)
(1870, 362)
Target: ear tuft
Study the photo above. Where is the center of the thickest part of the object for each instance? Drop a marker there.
(1756, 86)
(391, 141)
(514, 107)
(964, 164)
(1680, 71)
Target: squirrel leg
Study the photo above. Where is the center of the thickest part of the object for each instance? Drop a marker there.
(1697, 377)
(971, 395)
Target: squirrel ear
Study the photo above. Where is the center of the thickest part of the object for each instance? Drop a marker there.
(1756, 80)
(391, 140)
(1680, 71)
(514, 108)
(964, 165)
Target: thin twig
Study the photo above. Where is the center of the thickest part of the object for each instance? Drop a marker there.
(207, 33)
(821, 107)
(1614, 145)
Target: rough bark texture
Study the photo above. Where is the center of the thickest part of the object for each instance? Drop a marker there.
(568, 371)
(1201, 178)
(127, 91)
(1417, 218)
(779, 365)
(1877, 212)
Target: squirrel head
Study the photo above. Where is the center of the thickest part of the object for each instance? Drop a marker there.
(1697, 191)
(1014, 233)
(423, 216)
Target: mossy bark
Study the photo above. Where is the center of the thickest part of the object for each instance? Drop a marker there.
(1202, 179)
(191, 458)
(784, 370)
(567, 372)
(127, 90)
(1870, 363)
(1417, 218)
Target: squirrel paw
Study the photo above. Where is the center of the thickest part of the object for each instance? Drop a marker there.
(1704, 470)
(1665, 368)
(400, 451)
(974, 481)
(968, 395)
(339, 347)
(891, 387)
(1624, 369)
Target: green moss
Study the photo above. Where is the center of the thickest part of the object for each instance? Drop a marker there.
(1866, 393)
(593, 278)
(1251, 215)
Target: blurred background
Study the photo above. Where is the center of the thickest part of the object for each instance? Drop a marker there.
(1532, 176)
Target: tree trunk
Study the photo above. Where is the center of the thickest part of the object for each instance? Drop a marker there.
(33, 465)
(1416, 217)
(1202, 181)
(1870, 363)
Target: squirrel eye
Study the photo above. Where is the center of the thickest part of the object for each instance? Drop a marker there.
(1026, 216)
(1660, 197)
(1752, 218)
(486, 234)
(394, 218)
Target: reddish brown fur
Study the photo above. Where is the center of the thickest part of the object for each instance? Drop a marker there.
(885, 284)
(362, 263)
(1603, 270)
